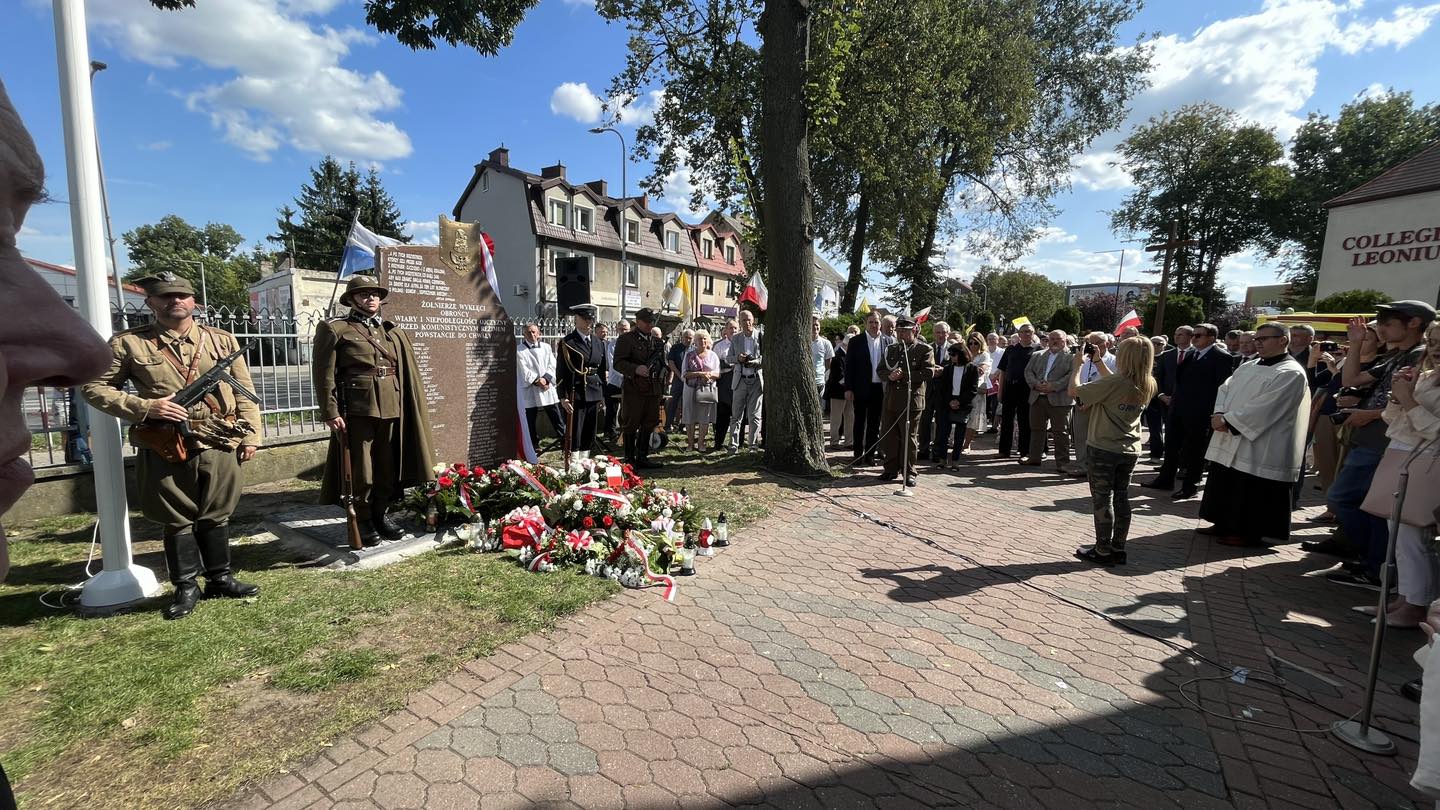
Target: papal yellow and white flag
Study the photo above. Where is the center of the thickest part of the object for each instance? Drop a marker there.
(864, 308)
(1020, 321)
(682, 286)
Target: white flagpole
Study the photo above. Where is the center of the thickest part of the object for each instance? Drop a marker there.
(120, 582)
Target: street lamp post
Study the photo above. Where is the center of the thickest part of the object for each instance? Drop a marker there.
(1118, 277)
(620, 286)
(96, 67)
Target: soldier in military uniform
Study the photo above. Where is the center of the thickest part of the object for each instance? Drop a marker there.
(368, 389)
(581, 376)
(640, 359)
(192, 498)
(906, 366)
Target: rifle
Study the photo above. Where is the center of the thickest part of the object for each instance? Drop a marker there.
(347, 491)
(167, 437)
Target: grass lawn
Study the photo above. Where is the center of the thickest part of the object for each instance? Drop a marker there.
(134, 712)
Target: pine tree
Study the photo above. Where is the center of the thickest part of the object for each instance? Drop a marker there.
(326, 206)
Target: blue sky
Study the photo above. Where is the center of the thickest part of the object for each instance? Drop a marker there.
(215, 114)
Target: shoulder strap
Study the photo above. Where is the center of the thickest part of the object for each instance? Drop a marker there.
(373, 342)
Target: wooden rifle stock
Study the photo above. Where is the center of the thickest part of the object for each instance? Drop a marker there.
(347, 491)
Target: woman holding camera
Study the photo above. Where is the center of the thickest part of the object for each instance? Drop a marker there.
(1116, 400)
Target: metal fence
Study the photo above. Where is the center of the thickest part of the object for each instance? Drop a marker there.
(279, 365)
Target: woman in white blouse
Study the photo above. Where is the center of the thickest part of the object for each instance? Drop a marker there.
(980, 359)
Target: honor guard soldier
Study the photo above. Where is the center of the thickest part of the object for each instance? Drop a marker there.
(188, 464)
(640, 359)
(368, 388)
(906, 366)
(581, 378)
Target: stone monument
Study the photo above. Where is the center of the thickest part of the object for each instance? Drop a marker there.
(464, 344)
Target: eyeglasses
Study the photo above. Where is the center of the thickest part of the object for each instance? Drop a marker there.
(1269, 337)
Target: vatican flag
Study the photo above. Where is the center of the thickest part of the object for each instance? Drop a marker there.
(864, 308)
(1020, 321)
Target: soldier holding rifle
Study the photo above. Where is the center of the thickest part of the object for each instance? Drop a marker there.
(580, 379)
(368, 389)
(188, 465)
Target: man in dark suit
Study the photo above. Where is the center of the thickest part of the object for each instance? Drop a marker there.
(928, 418)
(1154, 415)
(1165, 378)
(1015, 391)
(1199, 372)
(863, 386)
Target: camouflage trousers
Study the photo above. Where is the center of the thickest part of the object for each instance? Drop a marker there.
(1109, 475)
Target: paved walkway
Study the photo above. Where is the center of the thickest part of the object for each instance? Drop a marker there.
(825, 661)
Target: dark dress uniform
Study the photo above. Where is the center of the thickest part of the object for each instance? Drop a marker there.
(363, 370)
(580, 380)
(909, 389)
(192, 499)
(640, 396)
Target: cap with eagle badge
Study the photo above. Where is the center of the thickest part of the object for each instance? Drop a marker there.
(166, 283)
(587, 311)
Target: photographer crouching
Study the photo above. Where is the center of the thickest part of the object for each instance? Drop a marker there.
(1115, 403)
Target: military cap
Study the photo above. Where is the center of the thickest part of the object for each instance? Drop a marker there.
(904, 323)
(587, 311)
(1408, 309)
(165, 283)
(358, 283)
(645, 314)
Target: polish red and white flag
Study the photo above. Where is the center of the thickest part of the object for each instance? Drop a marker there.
(1131, 319)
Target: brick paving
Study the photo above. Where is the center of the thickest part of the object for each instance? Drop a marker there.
(824, 661)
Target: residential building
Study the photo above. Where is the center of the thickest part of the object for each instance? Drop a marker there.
(829, 284)
(66, 284)
(1384, 235)
(1267, 296)
(536, 219)
(720, 272)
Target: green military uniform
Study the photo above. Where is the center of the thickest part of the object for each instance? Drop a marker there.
(921, 362)
(364, 370)
(193, 498)
(640, 396)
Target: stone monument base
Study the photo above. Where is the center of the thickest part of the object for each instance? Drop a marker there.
(318, 533)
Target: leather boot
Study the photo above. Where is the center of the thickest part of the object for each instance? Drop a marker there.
(215, 554)
(386, 527)
(628, 439)
(182, 557)
(642, 453)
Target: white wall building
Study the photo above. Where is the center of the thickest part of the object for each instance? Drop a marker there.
(1385, 234)
(63, 280)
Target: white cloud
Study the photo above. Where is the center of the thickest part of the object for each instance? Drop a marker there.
(574, 100)
(287, 87)
(423, 233)
(1054, 235)
(157, 146)
(1262, 65)
(642, 110)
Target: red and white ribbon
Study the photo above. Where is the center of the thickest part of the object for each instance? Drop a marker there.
(578, 540)
(596, 492)
(529, 478)
(540, 559)
(664, 579)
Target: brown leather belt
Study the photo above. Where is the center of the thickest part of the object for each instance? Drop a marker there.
(378, 373)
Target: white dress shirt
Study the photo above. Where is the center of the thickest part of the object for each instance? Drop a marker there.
(877, 346)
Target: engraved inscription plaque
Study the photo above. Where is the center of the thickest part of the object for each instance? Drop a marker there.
(464, 346)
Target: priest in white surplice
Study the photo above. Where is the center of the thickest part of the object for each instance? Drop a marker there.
(1258, 444)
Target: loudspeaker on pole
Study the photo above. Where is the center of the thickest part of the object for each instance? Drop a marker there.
(572, 282)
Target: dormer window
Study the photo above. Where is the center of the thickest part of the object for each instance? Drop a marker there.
(632, 232)
(672, 241)
(729, 254)
(558, 212)
(584, 219)
(707, 247)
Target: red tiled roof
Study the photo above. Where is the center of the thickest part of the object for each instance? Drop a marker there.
(1415, 175)
(717, 264)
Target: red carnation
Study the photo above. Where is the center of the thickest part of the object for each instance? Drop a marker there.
(588, 498)
(446, 480)
(588, 522)
(607, 520)
(462, 469)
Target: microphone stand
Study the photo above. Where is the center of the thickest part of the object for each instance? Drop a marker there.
(904, 490)
(1359, 733)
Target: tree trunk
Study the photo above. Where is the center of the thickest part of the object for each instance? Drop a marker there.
(857, 252)
(793, 441)
(921, 277)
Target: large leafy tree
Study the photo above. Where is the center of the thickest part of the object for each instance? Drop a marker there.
(174, 245)
(1011, 293)
(1332, 156)
(1222, 182)
(325, 207)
